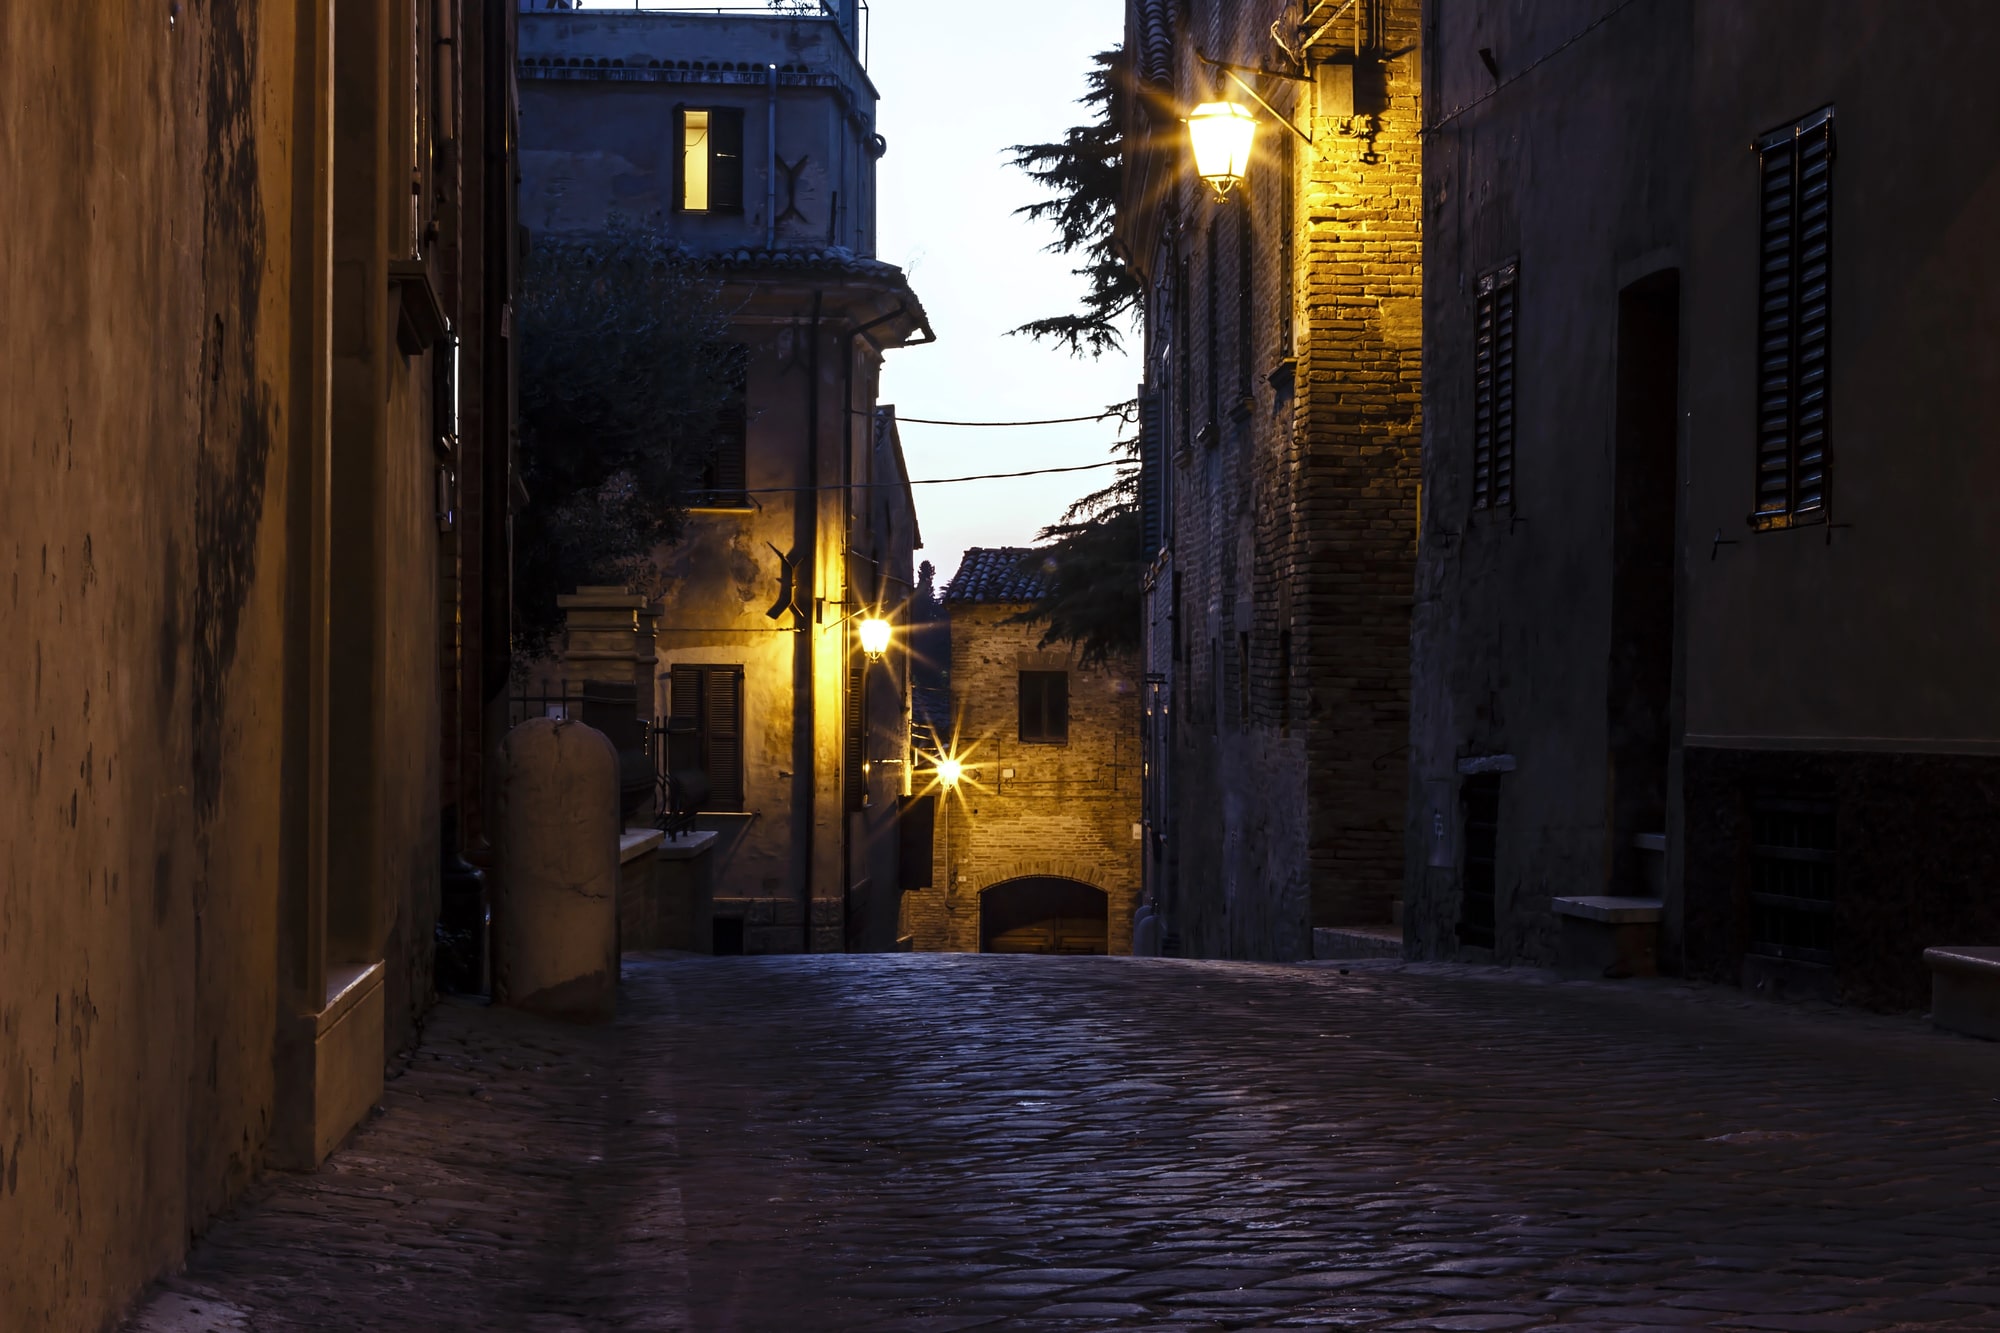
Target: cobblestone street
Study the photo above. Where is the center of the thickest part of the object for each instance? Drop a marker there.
(936, 1143)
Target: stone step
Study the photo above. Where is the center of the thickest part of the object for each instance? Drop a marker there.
(1338, 942)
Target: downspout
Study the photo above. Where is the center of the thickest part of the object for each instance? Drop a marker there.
(771, 178)
(805, 537)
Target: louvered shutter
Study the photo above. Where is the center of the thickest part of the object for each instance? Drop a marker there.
(1493, 392)
(722, 735)
(1794, 318)
(1150, 461)
(856, 755)
(725, 477)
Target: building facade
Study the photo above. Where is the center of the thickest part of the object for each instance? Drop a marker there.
(257, 528)
(1280, 430)
(1035, 848)
(1706, 596)
(750, 139)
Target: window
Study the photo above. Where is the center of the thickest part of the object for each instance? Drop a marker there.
(1794, 321)
(724, 474)
(1045, 707)
(1793, 862)
(854, 757)
(711, 160)
(705, 731)
(1493, 393)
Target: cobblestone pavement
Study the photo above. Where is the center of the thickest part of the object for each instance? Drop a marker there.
(934, 1143)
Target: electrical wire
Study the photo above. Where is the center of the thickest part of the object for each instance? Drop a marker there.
(932, 481)
(1106, 415)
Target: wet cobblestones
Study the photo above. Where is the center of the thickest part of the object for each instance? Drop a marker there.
(934, 1143)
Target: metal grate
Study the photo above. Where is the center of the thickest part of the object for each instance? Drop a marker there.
(1493, 393)
(1794, 320)
(1793, 860)
(1480, 797)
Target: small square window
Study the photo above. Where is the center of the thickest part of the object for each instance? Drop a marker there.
(1044, 707)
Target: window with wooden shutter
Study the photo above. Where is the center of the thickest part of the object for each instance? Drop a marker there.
(1493, 392)
(1794, 322)
(725, 472)
(710, 173)
(705, 704)
(855, 765)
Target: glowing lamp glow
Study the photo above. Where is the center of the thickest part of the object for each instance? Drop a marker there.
(1221, 133)
(874, 637)
(949, 771)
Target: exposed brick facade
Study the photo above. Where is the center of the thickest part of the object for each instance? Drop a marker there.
(1283, 363)
(1028, 810)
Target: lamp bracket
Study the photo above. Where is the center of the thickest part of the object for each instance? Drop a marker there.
(1277, 115)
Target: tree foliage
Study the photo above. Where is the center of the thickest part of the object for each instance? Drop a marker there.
(1092, 566)
(1083, 171)
(625, 373)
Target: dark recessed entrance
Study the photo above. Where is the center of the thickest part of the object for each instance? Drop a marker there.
(1042, 915)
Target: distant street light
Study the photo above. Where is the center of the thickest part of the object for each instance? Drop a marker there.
(875, 637)
(1222, 133)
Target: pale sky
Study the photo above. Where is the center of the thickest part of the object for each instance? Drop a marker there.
(960, 83)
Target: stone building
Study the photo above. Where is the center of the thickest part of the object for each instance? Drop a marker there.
(1280, 406)
(1705, 610)
(750, 138)
(255, 261)
(1035, 849)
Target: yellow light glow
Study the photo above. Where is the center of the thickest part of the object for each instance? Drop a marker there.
(874, 636)
(949, 771)
(694, 163)
(1221, 133)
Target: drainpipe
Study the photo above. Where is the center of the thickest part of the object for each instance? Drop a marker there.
(805, 535)
(771, 178)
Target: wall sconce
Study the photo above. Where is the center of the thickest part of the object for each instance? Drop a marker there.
(1222, 134)
(875, 633)
(949, 771)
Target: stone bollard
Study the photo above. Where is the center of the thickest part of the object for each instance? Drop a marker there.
(555, 914)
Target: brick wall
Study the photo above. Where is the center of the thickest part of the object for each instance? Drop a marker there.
(1283, 345)
(1025, 810)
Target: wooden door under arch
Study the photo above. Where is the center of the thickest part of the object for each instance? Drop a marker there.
(1043, 914)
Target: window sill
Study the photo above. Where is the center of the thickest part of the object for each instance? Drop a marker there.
(723, 503)
(1810, 518)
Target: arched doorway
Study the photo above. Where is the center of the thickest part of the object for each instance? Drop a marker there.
(1043, 914)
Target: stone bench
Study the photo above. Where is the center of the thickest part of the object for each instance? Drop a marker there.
(1965, 989)
(1609, 936)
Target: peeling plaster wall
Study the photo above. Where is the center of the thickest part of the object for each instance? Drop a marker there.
(158, 272)
(145, 179)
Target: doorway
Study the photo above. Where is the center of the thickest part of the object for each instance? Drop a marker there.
(1043, 915)
(1639, 703)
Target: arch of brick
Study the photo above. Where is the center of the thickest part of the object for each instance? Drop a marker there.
(1079, 871)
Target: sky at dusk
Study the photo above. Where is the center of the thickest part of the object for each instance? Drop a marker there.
(960, 84)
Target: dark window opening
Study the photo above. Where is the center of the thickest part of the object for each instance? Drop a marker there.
(1245, 284)
(1792, 877)
(1045, 707)
(1795, 322)
(1480, 797)
(1493, 392)
(705, 733)
(1212, 281)
(725, 470)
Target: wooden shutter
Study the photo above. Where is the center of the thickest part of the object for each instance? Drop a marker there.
(725, 160)
(1794, 319)
(856, 753)
(1151, 460)
(1493, 392)
(722, 735)
(725, 476)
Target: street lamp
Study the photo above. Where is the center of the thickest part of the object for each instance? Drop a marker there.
(1221, 133)
(874, 637)
(949, 771)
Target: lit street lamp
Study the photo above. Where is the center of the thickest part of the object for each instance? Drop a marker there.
(874, 637)
(949, 771)
(1221, 133)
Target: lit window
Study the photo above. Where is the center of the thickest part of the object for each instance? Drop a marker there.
(694, 162)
